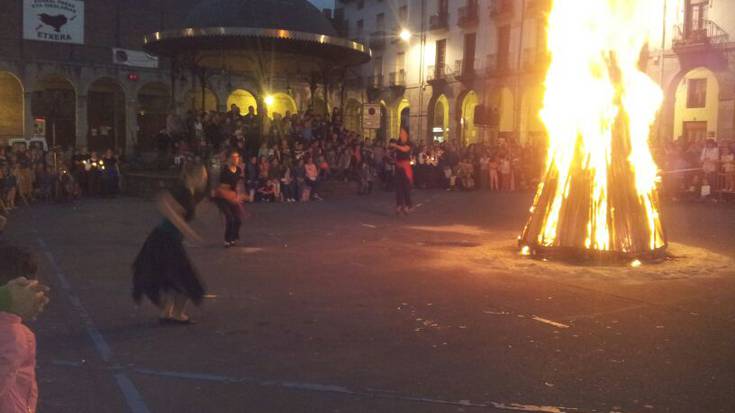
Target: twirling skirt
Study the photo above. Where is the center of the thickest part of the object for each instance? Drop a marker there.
(162, 266)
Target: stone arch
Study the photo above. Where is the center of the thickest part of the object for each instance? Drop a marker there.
(532, 128)
(280, 103)
(11, 105)
(401, 116)
(154, 101)
(696, 104)
(467, 102)
(242, 98)
(439, 118)
(353, 115)
(106, 122)
(506, 111)
(193, 100)
(54, 100)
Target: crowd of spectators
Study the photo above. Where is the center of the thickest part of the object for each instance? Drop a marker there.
(289, 157)
(698, 169)
(298, 152)
(30, 174)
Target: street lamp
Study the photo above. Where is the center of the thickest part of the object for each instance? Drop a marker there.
(269, 100)
(405, 35)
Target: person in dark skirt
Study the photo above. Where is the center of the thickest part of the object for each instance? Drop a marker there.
(228, 200)
(404, 173)
(162, 271)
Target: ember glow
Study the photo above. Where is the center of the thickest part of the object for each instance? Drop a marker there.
(598, 194)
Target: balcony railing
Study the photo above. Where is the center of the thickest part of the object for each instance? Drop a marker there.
(377, 40)
(535, 6)
(375, 81)
(355, 82)
(397, 78)
(468, 16)
(436, 73)
(439, 21)
(534, 59)
(464, 69)
(708, 33)
(501, 8)
(497, 65)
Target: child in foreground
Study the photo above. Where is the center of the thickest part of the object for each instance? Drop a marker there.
(18, 387)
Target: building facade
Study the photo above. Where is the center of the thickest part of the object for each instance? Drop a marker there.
(473, 70)
(693, 58)
(85, 96)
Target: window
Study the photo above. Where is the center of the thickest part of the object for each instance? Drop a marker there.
(443, 7)
(696, 93)
(695, 16)
(403, 15)
(504, 47)
(400, 62)
(378, 66)
(468, 58)
(441, 56)
(380, 22)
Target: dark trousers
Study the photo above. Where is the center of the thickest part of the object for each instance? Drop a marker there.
(403, 189)
(232, 220)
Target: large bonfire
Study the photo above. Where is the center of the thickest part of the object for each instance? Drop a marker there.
(598, 197)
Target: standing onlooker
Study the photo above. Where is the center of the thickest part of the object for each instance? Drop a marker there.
(311, 172)
(228, 200)
(709, 158)
(505, 173)
(728, 168)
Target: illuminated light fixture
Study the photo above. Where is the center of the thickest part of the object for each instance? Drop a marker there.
(269, 100)
(405, 35)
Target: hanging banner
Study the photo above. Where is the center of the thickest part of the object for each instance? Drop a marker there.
(371, 116)
(58, 21)
(135, 58)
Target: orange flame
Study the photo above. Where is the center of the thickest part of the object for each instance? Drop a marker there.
(598, 108)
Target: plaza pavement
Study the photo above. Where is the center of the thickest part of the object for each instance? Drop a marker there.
(339, 306)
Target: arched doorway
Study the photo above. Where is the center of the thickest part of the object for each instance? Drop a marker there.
(106, 115)
(353, 116)
(505, 113)
(402, 117)
(54, 100)
(532, 128)
(243, 99)
(194, 100)
(470, 132)
(11, 107)
(280, 103)
(318, 106)
(440, 120)
(696, 106)
(153, 104)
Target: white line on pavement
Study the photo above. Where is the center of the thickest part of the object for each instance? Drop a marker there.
(134, 400)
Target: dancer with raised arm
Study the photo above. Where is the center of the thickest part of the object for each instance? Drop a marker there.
(162, 271)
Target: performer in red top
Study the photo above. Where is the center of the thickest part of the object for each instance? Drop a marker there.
(404, 172)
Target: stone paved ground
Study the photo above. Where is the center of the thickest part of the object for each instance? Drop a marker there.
(339, 306)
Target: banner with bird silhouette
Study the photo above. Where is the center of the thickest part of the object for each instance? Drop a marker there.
(58, 21)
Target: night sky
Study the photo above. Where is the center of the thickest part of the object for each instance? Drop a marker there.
(323, 4)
